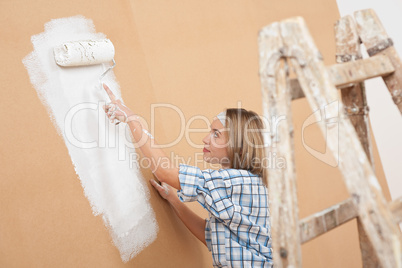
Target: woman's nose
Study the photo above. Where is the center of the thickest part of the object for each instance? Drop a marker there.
(206, 139)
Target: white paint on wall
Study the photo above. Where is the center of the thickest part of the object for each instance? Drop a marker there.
(385, 118)
(98, 149)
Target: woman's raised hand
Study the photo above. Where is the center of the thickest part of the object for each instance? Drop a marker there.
(116, 109)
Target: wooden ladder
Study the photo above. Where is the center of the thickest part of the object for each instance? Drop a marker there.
(289, 42)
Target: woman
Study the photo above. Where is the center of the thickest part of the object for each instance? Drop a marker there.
(237, 231)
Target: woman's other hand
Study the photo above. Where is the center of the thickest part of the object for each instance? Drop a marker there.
(166, 191)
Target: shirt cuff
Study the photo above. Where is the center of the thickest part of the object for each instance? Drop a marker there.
(189, 182)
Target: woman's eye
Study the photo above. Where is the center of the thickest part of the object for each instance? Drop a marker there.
(215, 134)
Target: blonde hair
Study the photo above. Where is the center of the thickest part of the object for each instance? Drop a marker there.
(245, 141)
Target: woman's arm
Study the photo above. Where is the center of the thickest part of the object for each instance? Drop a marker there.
(161, 165)
(192, 221)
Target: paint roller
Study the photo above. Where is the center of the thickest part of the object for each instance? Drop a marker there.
(85, 52)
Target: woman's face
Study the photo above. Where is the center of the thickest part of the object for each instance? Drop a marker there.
(215, 145)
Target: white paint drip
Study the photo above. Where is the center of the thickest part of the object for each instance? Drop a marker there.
(74, 102)
(148, 134)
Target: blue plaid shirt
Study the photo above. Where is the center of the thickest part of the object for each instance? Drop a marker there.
(238, 228)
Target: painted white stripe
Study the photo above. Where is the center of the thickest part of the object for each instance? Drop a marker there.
(100, 152)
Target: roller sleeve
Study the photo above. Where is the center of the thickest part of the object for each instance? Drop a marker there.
(86, 52)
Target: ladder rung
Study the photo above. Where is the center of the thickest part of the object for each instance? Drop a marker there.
(326, 220)
(344, 74)
(323, 221)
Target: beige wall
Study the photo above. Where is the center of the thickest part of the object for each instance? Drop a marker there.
(200, 56)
